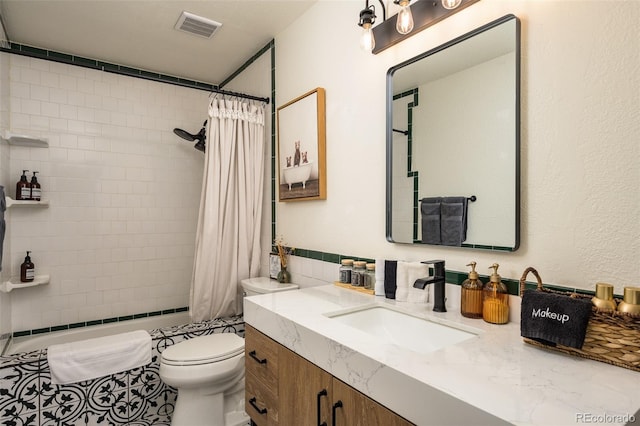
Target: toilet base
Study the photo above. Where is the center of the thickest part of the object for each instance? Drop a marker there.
(198, 407)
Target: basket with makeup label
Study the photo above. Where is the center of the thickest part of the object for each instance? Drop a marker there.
(581, 325)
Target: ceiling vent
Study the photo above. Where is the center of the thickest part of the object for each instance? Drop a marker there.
(197, 25)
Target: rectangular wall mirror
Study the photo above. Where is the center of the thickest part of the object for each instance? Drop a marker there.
(453, 136)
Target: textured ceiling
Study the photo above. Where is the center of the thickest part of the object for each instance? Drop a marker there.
(140, 33)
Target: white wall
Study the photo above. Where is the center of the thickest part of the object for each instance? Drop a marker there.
(118, 237)
(580, 126)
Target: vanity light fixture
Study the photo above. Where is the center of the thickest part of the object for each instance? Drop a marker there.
(423, 12)
(404, 22)
(367, 18)
(451, 4)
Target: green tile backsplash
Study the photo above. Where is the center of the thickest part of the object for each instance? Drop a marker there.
(453, 277)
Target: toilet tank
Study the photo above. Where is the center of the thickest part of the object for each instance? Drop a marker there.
(263, 285)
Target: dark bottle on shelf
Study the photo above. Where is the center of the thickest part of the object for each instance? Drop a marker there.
(23, 188)
(35, 187)
(27, 269)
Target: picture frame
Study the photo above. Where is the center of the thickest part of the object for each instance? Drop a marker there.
(274, 265)
(301, 162)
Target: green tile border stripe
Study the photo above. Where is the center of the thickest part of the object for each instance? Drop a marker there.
(414, 93)
(452, 277)
(251, 60)
(112, 320)
(35, 52)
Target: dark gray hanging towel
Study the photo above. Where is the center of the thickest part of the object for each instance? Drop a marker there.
(430, 215)
(453, 220)
(3, 207)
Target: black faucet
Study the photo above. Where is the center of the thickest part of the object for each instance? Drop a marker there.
(438, 279)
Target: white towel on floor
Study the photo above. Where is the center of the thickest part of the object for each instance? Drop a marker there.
(379, 288)
(102, 356)
(407, 274)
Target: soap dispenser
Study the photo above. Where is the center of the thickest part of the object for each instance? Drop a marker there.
(495, 303)
(471, 295)
(631, 302)
(35, 187)
(603, 298)
(27, 269)
(23, 189)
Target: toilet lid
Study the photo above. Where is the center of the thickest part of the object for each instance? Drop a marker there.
(266, 285)
(204, 349)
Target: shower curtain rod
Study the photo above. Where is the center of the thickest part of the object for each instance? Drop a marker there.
(240, 95)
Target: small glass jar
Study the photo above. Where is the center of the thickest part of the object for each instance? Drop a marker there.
(345, 271)
(370, 276)
(357, 275)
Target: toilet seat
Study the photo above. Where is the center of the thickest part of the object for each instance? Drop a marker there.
(204, 350)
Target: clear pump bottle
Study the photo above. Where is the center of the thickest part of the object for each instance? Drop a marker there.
(471, 295)
(495, 303)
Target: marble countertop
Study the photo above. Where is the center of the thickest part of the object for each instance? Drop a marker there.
(493, 378)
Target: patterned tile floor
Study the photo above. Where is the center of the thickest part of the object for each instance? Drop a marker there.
(136, 397)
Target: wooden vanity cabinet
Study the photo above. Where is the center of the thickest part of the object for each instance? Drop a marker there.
(352, 408)
(261, 377)
(305, 394)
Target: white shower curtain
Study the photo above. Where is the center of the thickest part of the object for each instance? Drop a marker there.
(228, 234)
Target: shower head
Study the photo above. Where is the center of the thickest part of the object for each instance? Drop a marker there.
(200, 137)
(184, 134)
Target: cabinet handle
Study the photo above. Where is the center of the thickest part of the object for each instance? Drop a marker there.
(338, 404)
(322, 393)
(252, 401)
(252, 354)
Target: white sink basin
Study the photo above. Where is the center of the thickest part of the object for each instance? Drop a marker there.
(410, 332)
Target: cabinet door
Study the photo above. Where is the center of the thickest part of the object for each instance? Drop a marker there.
(260, 404)
(261, 358)
(303, 390)
(261, 379)
(352, 408)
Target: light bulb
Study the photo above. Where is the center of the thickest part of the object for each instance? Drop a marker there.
(404, 22)
(451, 4)
(367, 41)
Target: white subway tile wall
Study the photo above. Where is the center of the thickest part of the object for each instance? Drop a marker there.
(5, 303)
(119, 234)
(310, 272)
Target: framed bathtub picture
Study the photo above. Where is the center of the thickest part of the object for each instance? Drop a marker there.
(301, 164)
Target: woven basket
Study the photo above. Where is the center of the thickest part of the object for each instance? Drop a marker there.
(612, 337)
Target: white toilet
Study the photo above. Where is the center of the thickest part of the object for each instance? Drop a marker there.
(263, 285)
(208, 372)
